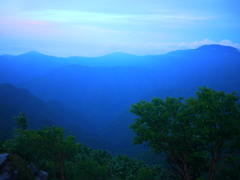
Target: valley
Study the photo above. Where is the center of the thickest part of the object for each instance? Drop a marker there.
(91, 97)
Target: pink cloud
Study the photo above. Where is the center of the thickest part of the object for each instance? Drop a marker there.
(24, 22)
(41, 23)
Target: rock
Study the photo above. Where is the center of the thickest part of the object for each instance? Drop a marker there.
(43, 175)
(6, 172)
(39, 175)
(33, 169)
(3, 158)
(5, 176)
(15, 175)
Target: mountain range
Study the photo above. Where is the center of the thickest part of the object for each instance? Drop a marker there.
(94, 94)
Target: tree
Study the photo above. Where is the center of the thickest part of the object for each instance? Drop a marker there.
(89, 169)
(48, 148)
(124, 167)
(20, 135)
(56, 148)
(3, 139)
(21, 121)
(195, 134)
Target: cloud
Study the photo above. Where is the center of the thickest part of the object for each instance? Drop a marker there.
(227, 42)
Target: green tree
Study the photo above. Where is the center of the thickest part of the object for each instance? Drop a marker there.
(195, 134)
(229, 169)
(89, 169)
(100, 156)
(21, 121)
(56, 148)
(3, 140)
(145, 174)
(123, 167)
(48, 148)
(161, 173)
(21, 134)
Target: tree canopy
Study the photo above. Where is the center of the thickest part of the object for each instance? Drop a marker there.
(195, 134)
(57, 153)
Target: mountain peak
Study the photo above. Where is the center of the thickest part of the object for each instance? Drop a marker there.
(217, 47)
(32, 53)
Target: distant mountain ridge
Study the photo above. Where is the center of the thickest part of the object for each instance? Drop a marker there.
(15, 69)
(103, 92)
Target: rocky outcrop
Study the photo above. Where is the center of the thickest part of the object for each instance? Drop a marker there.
(39, 175)
(5, 169)
(8, 171)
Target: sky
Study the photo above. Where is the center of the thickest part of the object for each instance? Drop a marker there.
(94, 28)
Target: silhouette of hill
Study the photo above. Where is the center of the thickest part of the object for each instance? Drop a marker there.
(99, 92)
(15, 69)
(26, 66)
(14, 100)
(214, 66)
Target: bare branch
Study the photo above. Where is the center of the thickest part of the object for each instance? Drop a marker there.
(230, 155)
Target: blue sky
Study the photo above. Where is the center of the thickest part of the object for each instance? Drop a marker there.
(95, 28)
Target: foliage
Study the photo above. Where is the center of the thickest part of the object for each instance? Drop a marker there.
(125, 168)
(98, 155)
(89, 169)
(145, 174)
(229, 169)
(24, 172)
(156, 172)
(195, 134)
(161, 173)
(56, 148)
(2, 141)
(47, 148)
(91, 164)
(64, 158)
(21, 121)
